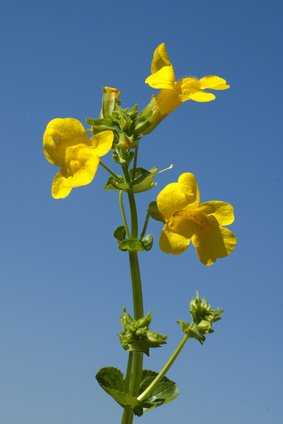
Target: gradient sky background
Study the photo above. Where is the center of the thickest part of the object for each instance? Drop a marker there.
(63, 281)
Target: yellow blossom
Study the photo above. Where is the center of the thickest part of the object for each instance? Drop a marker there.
(67, 145)
(173, 92)
(187, 220)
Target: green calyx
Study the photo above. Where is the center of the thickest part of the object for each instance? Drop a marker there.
(136, 335)
(141, 180)
(132, 245)
(203, 318)
(154, 212)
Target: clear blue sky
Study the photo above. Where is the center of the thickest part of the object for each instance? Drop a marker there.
(63, 282)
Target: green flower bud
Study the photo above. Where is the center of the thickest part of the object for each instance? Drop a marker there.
(110, 99)
(136, 335)
(204, 316)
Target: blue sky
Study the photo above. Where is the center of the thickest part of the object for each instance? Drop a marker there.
(63, 281)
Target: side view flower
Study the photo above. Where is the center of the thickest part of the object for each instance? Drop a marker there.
(67, 145)
(174, 92)
(188, 220)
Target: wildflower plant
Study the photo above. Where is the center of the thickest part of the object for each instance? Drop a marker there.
(78, 151)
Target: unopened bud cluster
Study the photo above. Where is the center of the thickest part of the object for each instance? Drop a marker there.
(136, 335)
(203, 318)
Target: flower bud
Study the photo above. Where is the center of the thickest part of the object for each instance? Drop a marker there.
(110, 99)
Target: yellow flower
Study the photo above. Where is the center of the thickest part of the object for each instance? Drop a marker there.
(174, 92)
(67, 145)
(188, 220)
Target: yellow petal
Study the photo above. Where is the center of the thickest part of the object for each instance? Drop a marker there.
(160, 58)
(102, 142)
(201, 97)
(182, 224)
(213, 242)
(60, 187)
(173, 243)
(82, 163)
(164, 78)
(223, 212)
(176, 196)
(190, 186)
(59, 134)
(171, 199)
(214, 82)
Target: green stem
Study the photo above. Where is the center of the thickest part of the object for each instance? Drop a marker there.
(145, 224)
(128, 413)
(135, 161)
(164, 370)
(135, 360)
(109, 170)
(123, 213)
(128, 416)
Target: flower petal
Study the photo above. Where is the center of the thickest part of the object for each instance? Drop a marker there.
(182, 224)
(173, 243)
(160, 58)
(213, 242)
(190, 186)
(59, 134)
(102, 142)
(222, 211)
(85, 162)
(171, 199)
(176, 196)
(164, 78)
(214, 82)
(60, 187)
(200, 96)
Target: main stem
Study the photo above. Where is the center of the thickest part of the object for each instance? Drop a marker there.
(135, 360)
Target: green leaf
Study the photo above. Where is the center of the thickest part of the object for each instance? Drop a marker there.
(120, 233)
(164, 392)
(147, 242)
(131, 245)
(114, 184)
(143, 179)
(112, 382)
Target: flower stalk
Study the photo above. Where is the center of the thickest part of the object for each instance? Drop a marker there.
(164, 369)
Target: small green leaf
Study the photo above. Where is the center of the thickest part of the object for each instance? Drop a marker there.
(147, 242)
(120, 233)
(164, 392)
(112, 382)
(131, 245)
